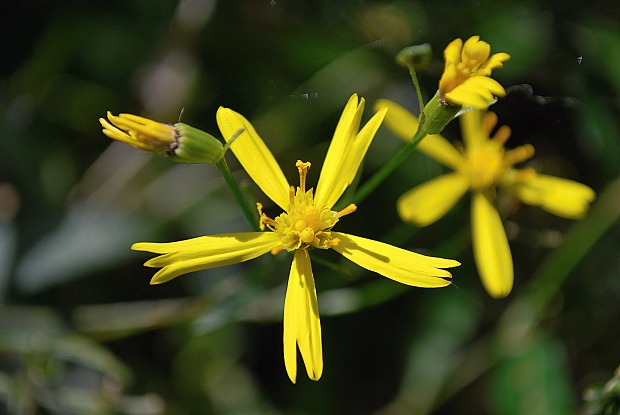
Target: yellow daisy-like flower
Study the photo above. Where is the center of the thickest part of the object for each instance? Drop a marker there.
(466, 78)
(482, 166)
(305, 224)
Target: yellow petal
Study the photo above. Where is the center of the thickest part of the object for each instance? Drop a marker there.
(426, 203)
(491, 249)
(562, 197)
(345, 153)
(449, 79)
(113, 132)
(205, 252)
(495, 61)
(484, 83)
(467, 97)
(476, 49)
(302, 325)
(395, 263)
(452, 52)
(475, 92)
(254, 156)
(404, 124)
(472, 129)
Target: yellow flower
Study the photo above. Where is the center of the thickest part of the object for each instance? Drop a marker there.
(305, 224)
(466, 78)
(181, 142)
(481, 167)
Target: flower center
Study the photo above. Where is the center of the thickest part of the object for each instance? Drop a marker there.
(485, 165)
(304, 224)
(488, 163)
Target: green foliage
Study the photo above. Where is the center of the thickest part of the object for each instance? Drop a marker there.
(82, 332)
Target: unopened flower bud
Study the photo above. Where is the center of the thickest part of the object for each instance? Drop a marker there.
(181, 142)
(419, 56)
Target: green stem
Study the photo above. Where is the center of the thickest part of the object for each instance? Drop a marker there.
(371, 184)
(249, 214)
(416, 84)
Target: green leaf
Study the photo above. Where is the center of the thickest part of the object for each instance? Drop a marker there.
(533, 380)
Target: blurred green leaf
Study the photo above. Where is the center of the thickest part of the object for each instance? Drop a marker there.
(88, 353)
(109, 321)
(433, 356)
(89, 239)
(41, 331)
(534, 380)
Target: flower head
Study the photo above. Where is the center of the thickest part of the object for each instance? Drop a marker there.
(181, 142)
(466, 78)
(483, 166)
(306, 223)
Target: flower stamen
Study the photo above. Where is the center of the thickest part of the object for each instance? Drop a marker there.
(519, 154)
(303, 224)
(502, 135)
(265, 220)
(303, 171)
(346, 211)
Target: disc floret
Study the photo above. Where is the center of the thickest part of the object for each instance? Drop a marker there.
(304, 224)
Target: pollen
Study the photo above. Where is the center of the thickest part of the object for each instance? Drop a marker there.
(304, 224)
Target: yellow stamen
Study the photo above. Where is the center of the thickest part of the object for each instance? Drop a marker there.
(264, 220)
(291, 197)
(277, 250)
(303, 224)
(334, 242)
(303, 171)
(512, 176)
(346, 211)
(519, 154)
(502, 135)
(525, 174)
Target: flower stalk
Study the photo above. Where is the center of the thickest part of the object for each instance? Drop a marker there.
(248, 213)
(411, 56)
(388, 168)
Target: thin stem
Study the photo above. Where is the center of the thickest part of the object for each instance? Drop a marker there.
(371, 184)
(249, 214)
(416, 84)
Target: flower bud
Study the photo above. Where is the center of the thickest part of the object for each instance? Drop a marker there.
(181, 142)
(419, 56)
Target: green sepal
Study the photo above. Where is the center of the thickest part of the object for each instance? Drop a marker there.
(436, 115)
(196, 146)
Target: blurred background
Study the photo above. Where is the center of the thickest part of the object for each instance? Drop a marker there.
(83, 332)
